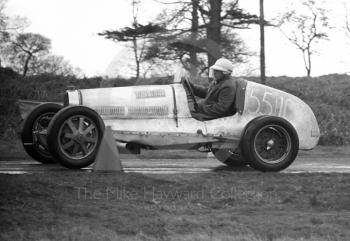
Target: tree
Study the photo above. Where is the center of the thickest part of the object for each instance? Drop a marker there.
(262, 43)
(51, 64)
(194, 37)
(137, 34)
(182, 38)
(213, 29)
(4, 22)
(219, 17)
(26, 47)
(8, 26)
(205, 27)
(304, 29)
(3, 17)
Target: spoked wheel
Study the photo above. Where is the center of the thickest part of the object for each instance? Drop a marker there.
(270, 143)
(230, 157)
(75, 135)
(34, 132)
(78, 137)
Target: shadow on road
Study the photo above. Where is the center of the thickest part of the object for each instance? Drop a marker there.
(224, 168)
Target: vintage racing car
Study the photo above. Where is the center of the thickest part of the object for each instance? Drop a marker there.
(267, 130)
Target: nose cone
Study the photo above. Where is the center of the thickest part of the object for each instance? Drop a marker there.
(303, 119)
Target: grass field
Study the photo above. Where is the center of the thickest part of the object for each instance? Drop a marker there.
(213, 206)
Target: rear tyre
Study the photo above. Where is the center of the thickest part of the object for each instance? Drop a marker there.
(231, 158)
(270, 144)
(34, 132)
(74, 136)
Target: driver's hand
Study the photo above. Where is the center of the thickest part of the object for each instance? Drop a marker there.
(183, 81)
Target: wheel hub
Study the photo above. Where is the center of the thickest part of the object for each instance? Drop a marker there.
(79, 138)
(270, 144)
(39, 131)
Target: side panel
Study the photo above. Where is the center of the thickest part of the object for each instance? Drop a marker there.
(264, 100)
(153, 132)
(135, 102)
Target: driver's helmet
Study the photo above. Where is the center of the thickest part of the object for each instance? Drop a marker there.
(223, 65)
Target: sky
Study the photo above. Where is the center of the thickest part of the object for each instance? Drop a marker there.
(72, 26)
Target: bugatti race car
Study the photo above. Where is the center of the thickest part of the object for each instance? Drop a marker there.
(267, 130)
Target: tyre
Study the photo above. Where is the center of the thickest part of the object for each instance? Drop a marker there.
(270, 144)
(34, 132)
(74, 136)
(232, 158)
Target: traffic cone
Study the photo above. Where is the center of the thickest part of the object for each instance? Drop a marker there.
(107, 158)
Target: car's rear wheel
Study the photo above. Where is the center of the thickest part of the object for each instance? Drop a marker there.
(270, 143)
(74, 136)
(34, 132)
(229, 157)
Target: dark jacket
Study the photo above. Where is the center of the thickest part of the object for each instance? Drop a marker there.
(218, 98)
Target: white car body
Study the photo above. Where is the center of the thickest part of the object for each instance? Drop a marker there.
(159, 116)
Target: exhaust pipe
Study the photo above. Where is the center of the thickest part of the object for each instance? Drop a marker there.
(128, 148)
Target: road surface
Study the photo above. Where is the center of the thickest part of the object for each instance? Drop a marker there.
(302, 164)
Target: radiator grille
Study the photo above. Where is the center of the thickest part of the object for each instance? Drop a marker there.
(133, 111)
(111, 111)
(148, 111)
(143, 94)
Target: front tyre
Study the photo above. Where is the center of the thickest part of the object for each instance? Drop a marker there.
(34, 132)
(74, 136)
(270, 144)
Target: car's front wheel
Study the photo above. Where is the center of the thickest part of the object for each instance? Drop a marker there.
(270, 143)
(74, 136)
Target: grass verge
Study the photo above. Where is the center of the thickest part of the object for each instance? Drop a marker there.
(76, 205)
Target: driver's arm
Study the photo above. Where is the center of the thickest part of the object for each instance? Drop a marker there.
(199, 90)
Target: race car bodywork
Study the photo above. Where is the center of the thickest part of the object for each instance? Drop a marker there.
(159, 116)
(269, 125)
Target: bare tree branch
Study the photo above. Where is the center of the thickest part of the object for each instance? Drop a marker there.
(171, 3)
(347, 20)
(304, 29)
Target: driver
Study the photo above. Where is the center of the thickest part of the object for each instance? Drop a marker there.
(219, 97)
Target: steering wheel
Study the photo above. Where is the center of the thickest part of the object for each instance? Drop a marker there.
(187, 85)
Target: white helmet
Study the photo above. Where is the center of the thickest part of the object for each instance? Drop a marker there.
(223, 65)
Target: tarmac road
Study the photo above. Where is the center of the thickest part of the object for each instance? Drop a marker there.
(303, 164)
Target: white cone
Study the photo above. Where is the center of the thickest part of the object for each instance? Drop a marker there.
(107, 158)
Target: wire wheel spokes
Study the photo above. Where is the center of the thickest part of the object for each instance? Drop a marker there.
(39, 131)
(78, 137)
(272, 144)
